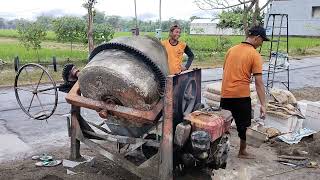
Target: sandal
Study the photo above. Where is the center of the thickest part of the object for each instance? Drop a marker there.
(49, 163)
(43, 157)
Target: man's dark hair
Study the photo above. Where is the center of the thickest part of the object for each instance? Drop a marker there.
(258, 31)
(176, 26)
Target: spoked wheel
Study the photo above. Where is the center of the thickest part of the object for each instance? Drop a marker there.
(189, 97)
(36, 91)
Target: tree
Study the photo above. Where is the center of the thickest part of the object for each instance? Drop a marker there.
(46, 21)
(89, 6)
(114, 21)
(185, 25)
(99, 17)
(69, 29)
(2, 23)
(102, 33)
(12, 24)
(230, 19)
(31, 34)
(246, 5)
(233, 19)
(193, 17)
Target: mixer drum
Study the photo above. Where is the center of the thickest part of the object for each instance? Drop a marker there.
(127, 71)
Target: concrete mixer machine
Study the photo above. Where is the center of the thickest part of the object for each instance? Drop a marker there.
(144, 109)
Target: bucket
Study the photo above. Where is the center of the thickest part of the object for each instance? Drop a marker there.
(255, 138)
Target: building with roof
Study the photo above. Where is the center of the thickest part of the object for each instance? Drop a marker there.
(303, 15)
(209, 27)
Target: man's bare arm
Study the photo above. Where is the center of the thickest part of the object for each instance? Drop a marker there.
(261, 94)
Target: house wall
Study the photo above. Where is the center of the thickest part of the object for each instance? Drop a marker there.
(302, 20)
(211, 29)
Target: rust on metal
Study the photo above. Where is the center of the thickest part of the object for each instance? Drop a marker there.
(77, 136)
(118, 159)
(130, 114)
(169, 105)
(123, 139)
(166, 148)
(75, 130)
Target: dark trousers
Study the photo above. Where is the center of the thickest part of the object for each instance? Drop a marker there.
(241, 112)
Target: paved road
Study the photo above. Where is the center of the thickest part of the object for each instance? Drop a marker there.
(21, 136)
(303, 73)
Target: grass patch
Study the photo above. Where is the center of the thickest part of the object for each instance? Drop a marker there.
(7, 74)
(11, 49)
(205, 47)
(12, 33)
(51, 36)
(7, 77)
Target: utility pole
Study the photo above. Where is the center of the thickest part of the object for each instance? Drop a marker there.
(135, 31)
(135, 12)
(160, 14)
(158, 31)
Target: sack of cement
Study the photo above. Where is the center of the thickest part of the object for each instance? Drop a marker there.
(212, 96)
(252, 87)
(212, 103)
(253, 95)
(254, 98)
(283, 96)
(214, 88)
(254, 102)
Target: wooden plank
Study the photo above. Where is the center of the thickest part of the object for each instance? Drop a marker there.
(293, 157)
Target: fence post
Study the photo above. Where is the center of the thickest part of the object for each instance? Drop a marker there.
(16, 63)
(54, 63)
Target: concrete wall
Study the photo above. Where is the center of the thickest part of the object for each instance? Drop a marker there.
(211, 29)
(303, 20)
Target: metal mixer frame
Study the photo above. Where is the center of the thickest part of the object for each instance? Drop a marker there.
(169, 111)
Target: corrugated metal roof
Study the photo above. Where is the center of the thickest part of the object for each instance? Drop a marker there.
(205, 21)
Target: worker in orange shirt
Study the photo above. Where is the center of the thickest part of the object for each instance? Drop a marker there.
(175, 50)
(240, 62)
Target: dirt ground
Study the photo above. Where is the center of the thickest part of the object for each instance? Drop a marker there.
(99, 168)
(307, 93)
(263, 167)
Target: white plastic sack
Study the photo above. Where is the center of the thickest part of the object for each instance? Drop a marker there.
(212, 96)
(211, 103)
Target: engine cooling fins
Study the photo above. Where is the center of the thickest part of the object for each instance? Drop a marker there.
(141, 56)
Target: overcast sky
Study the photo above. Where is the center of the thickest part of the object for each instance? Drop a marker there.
(146, 9)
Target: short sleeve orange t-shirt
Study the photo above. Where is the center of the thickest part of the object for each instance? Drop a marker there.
(240, 62)
(175, 55)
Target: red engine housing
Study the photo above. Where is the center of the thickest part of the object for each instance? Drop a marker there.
(216, 123)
